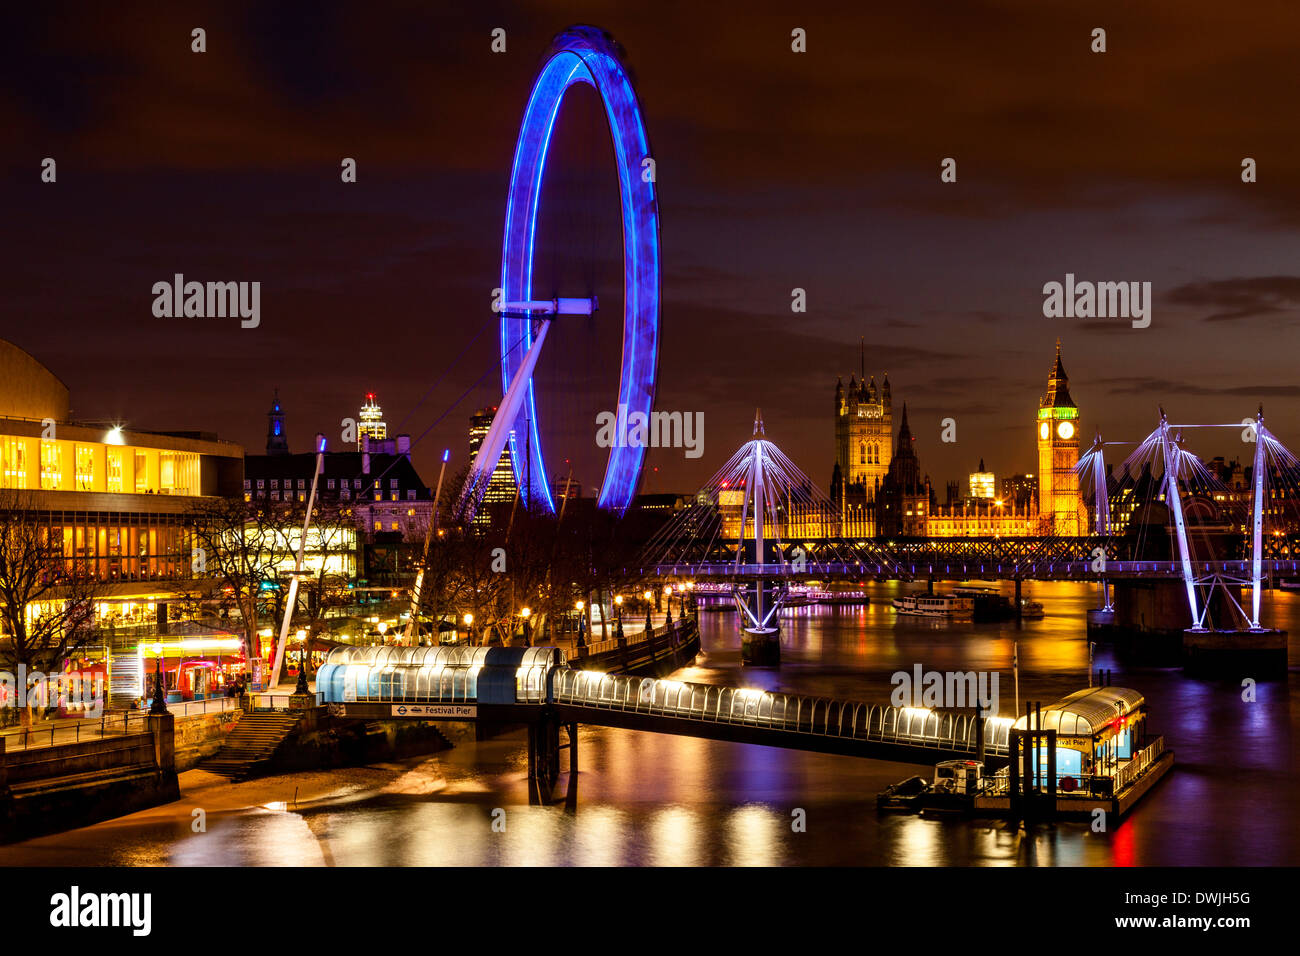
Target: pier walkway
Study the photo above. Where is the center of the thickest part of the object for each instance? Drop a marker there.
(532, 685)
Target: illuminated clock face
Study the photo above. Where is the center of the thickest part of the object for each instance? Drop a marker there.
(1044, 430)
(1065, 429)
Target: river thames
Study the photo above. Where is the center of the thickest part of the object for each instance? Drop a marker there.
(647, 799)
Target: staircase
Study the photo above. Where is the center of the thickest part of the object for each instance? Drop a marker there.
(251, 744)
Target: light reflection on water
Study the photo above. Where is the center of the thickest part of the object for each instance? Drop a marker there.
(649, 799)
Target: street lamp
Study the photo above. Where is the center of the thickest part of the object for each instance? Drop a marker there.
(159, 705)
(582, 623)
(526, 613)
(382, 627)
(618, 616)
(469, 628)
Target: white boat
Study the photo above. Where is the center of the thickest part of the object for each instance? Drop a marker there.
(935, 605)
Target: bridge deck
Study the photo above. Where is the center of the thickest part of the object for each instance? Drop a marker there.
(819, 724)
(957, 567)
(528, 685)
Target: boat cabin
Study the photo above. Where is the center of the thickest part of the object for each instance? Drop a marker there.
(958, 776)
(1098, 730)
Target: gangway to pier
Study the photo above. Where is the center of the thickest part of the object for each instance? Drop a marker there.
(749, 715)
(536, 685)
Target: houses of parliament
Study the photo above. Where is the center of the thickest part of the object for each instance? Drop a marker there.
(879, 488)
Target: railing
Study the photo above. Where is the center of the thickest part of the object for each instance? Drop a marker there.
(274, 701)
(999, 784)
(189, 708)
(1140, 761)
(639, 637)
(75, 729)
(820, 716)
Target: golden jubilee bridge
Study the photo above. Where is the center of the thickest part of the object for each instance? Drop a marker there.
(760, 523)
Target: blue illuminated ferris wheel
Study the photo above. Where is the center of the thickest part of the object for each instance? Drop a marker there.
(580, 54)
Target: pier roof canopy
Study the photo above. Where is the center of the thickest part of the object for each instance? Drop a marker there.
(1090, 711)
(453, 672)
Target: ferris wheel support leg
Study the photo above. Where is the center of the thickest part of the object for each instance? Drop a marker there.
(1257, 523)
(502, 423)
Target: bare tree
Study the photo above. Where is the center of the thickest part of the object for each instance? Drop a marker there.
(240, 547)
(47, 596)
(333, 535)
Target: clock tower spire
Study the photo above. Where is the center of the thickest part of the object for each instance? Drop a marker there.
(1059, 504)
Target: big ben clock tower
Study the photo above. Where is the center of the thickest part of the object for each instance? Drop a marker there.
(1058, 452)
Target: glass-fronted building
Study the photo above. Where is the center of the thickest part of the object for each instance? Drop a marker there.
(112, 499)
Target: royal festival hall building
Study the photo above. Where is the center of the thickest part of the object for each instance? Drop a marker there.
(112, 497)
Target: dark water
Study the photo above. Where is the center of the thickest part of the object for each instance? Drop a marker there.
(650, 799)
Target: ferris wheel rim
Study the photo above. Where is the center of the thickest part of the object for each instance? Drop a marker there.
(585, 55)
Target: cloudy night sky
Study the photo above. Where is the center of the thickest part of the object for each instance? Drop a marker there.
(775, 170)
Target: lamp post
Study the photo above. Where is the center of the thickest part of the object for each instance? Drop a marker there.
(469, 628)
(382, 627)
(301, 686)
(648, 595)
(582, 621)
(526, 613)
(618, 616)
(159, 705)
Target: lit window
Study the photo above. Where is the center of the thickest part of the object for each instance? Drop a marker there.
(141, 474)
(13, 461)
(51, 465)
(379, 526)
(247, 484)
(85, 468)
(330, 484)
(261, 483)
(114, 477)
(302, 483)
(275, 482)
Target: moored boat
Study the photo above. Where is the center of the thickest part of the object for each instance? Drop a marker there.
(935, 605)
